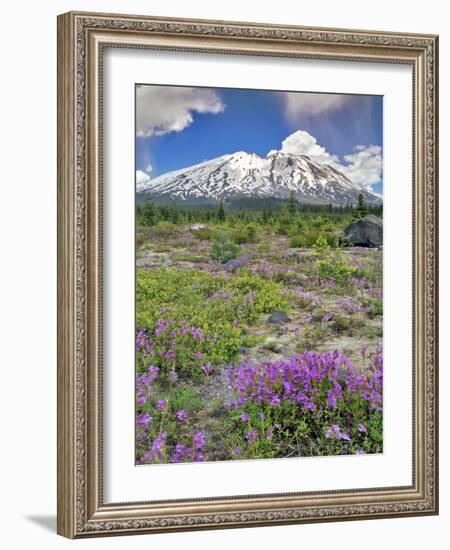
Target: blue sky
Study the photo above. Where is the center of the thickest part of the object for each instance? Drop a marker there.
(178, 126)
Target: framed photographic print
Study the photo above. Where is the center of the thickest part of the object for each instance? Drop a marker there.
(247, 282)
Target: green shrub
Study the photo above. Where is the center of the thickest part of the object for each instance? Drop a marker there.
(283, 228)
(298, 241)
(223, 250)
(247, 234)
(163, 229)
(252, 232)
(239, 235)
(321, 245)
(205, 234)
(375, 307)
(310, 236)
(221, 307)
(335, 268)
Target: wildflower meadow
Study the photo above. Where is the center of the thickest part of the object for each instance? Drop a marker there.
(258, 335)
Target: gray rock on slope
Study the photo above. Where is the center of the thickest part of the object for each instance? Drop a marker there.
(278, 318)
(367, 231)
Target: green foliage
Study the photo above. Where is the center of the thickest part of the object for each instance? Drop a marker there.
(224, 250)
(292, 204)
(375, 306)
(321, 245)
(148, 213)
(221, 212)
(247, 234)
(220, 307)
(335, 267)
(310, 236)
(284, 227)
(263, 212)
(252, 231)
(205, 234)
(360, 209)
(163, 229)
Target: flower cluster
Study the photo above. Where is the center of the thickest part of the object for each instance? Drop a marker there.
(177, 443)
(325, 389)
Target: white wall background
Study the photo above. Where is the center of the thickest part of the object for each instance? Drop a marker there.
(28, 271)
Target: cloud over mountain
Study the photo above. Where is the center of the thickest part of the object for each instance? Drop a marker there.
(364, 166)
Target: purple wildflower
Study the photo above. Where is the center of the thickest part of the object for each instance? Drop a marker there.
(334, 432)
(158, 445)
(207, 368)
(199, 457)
(198, 440)
(144, 420)
(328, 316)
(250, 436)
(161, 404)
(173, 376)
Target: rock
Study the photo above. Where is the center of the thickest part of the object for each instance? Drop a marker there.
(197, 226)
(278, 318)
(293, 254)
(367, 231)
(273, 345)
(231, 265)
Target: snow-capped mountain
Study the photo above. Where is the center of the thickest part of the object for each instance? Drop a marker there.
(249, 175)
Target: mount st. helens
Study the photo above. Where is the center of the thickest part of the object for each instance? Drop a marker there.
(245, 174)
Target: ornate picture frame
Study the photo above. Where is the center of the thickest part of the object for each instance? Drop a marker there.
(82, 38)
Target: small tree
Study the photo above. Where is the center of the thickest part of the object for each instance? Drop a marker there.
(292, 204)
(148, 214)
(221, 212)
(224, 250)
(266, 216)
(360, 209)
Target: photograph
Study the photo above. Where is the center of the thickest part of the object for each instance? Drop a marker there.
(259, 274)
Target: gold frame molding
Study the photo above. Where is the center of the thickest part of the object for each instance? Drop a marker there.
(81, 39)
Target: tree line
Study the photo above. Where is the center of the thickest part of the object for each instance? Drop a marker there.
(151, 213)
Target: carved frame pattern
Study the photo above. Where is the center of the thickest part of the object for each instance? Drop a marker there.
(81, 37)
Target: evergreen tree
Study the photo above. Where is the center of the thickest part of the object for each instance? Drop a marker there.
(266, 215)
(360, 209)
(148, 214)
(292, 204)
(221, 212)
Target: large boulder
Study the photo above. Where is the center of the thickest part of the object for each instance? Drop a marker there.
(367, 231)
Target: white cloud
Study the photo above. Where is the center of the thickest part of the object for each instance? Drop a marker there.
(303, 143)
(312, 104)
(141, 180)
(164, 109)
(363, 167)
(148, 168)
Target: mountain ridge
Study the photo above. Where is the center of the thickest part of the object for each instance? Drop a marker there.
(249, 175)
